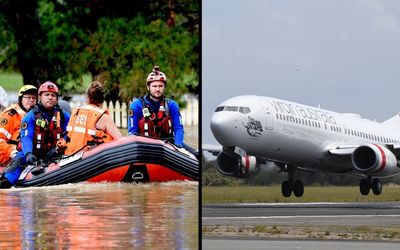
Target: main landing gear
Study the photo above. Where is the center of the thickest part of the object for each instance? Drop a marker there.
(367, 184)
(292, 185)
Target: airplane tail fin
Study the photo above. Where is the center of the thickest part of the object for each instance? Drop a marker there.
(393, 121)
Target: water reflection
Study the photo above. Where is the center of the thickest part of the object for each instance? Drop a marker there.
(105, 215)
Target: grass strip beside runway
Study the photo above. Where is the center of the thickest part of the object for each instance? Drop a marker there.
(239, 194)
(306, 232)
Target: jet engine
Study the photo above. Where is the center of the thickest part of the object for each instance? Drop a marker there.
(230, 163)
(374, 159)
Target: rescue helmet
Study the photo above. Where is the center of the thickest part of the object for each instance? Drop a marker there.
(27, 89)
(156, 75)
(48, 87)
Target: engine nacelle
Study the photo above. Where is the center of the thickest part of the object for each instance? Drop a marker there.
(230, 163)
(374, 159)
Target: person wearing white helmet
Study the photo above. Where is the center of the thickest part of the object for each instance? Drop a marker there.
(3, 99)
(10, 122)
(154, 115)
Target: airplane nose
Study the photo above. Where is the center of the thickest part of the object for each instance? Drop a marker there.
(222, 127)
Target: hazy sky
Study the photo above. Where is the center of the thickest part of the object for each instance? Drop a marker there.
(341, 54)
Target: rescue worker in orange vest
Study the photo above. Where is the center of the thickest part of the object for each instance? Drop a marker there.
(90, 124)
(40, 130)
(10, 122)
(156, 116)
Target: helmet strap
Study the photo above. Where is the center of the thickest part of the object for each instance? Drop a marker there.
(20, 104)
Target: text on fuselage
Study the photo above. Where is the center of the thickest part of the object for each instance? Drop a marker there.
(304, 112)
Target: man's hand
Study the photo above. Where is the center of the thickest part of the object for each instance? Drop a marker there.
(30, 158)
(61, 145)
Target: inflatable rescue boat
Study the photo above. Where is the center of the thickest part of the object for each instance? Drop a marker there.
(127, 159)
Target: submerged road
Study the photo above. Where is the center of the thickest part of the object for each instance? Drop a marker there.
(320, 214)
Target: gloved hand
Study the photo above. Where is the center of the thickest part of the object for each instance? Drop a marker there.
(30, 158)
(52, 153)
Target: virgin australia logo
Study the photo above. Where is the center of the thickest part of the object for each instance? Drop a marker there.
(254, 127)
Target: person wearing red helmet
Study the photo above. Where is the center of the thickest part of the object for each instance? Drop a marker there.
(10, 122)
(41, 127)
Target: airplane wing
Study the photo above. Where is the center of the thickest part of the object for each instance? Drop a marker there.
(347, 150)
(212, 148)
(344, 150)
(395, 148)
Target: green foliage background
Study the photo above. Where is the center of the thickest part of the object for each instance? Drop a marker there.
(115, 41)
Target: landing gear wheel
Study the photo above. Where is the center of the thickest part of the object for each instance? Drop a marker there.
(287, 188)
(376, 186)
(365, 186)
(298, 188)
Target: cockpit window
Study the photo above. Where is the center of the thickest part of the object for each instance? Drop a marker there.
(231, 108)
(243, 110)
(219, 109)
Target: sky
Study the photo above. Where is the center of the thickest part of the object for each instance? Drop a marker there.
(343, 55)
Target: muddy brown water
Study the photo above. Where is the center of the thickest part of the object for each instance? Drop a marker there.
(102, 215)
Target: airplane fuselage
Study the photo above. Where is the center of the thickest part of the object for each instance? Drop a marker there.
(296, 134)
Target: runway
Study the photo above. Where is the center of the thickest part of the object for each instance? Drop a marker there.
(372, 225)
(378, 214)
(276, 244)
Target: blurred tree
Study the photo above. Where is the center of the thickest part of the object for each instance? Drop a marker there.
(116, 41)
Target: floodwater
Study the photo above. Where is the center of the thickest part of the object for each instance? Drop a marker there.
(101, 216)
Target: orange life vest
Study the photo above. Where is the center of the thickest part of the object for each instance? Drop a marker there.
(10, 122)
(156, 124)
(82, 129)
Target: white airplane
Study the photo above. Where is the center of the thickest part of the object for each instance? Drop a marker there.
(254, 130)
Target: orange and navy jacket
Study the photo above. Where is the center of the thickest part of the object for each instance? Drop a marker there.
(82, 129)
(10, 122)
(40, 129)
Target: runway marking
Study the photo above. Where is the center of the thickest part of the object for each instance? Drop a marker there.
(396, 205)
(302, 216)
